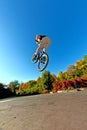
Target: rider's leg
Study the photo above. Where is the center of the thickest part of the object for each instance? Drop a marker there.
(45, 47)
(36, 55)
(46, 42)
(40, 46)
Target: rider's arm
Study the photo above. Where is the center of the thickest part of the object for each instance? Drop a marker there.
(37, 41)
(38, 50)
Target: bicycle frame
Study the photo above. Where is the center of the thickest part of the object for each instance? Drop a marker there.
(40, 54)
(40, 61)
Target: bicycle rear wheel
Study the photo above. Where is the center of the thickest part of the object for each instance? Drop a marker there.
(43, 62)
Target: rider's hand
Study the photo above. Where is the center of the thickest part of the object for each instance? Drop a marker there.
(37, 41)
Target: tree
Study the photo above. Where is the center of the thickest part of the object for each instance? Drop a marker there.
(47, 80)
(1, 86)
(38, 80)
(32, 83)
(13, 86)
(61, 76)
(15, 83)
(54, 77)
(71, 71)
(4, 92)
(85, 58)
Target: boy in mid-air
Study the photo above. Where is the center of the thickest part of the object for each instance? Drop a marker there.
(43, 42)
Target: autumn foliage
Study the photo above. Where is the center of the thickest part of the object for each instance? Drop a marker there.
(74, 77)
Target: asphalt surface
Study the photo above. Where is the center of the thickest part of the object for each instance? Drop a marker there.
(63, 111)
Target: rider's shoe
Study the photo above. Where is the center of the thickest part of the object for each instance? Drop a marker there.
(34, 57)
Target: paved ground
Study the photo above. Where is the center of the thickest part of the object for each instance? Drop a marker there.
(63, 111)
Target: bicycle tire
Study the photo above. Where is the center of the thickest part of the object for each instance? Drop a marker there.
(42, 62)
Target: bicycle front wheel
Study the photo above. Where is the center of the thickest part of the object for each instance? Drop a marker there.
(43, 62)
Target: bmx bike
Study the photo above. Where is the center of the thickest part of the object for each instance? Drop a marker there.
(42, 60)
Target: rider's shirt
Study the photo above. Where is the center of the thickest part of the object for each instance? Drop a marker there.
(42, 36)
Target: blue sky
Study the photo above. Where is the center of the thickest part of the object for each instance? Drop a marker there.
(64, 21)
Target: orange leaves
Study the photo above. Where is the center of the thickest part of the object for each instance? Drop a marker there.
(23, 86)
(11, 88)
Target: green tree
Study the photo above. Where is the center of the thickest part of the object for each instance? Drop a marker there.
(13, 86)
(1, 86)
(32, 83)
(85, 58)
(47, 80)
(15, 83)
